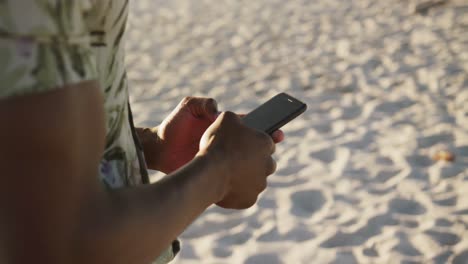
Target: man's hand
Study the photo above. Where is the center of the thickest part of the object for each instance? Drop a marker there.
(244, 154)
(176, 141)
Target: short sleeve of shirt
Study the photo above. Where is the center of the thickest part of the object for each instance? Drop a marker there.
(44, 45)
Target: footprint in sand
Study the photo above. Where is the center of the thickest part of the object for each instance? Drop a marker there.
(342, 239)
(409, 224)
(335, 158)
(222, 252)
(443, 257)
(385, 175)
(384, 161)
(462, 151)
(345, 258)
(419, 160)
(371, 228)
(444, 171)
(290, 170)
(351, 112)
(326, 155)
(270, 235)
(306, 203)
(364, 142)
(299, 235)
(461, 212)
(268, 203)
(391, 108)
(405, 247)
(268, 258)
(429, 141)
(449, 201)
(234, 239)
(370, 252)
(324, 128)
(379, 189)
(461, 258)
(404, 206)
(443, 222)
(443, 238)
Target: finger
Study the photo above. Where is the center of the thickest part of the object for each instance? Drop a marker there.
(262, 185)
(271, 166)
(270, 144)
(277, 136)
(228, 115)
(210, 108)
(201, 107)
(272, 148)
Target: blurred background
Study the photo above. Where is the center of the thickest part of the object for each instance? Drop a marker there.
(374, 172)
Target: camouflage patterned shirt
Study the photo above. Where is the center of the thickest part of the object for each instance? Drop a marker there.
(46, 44)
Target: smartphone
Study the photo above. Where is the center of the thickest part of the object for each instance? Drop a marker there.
(275, 113)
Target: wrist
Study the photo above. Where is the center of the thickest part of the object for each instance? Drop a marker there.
(215, 173)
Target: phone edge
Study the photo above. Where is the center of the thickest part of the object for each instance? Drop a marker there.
(288, 119)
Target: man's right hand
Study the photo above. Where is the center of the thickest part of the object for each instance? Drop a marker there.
(244, 157)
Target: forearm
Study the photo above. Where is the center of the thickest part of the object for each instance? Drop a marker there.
(54, 209)
(139, 223)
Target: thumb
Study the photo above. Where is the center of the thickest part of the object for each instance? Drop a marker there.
(210, 108)
(202, 107)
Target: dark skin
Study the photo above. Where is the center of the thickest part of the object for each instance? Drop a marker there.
(54, 208)
(176, 141)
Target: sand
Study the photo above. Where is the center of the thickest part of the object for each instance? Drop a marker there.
(387, 88)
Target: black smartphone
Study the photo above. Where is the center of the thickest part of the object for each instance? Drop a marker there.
(275, 113)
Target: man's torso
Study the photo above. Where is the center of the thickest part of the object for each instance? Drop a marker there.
(46, 44)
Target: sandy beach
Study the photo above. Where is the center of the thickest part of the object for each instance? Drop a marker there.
(376, 170)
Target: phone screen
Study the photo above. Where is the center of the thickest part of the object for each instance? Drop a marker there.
(275, 113)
